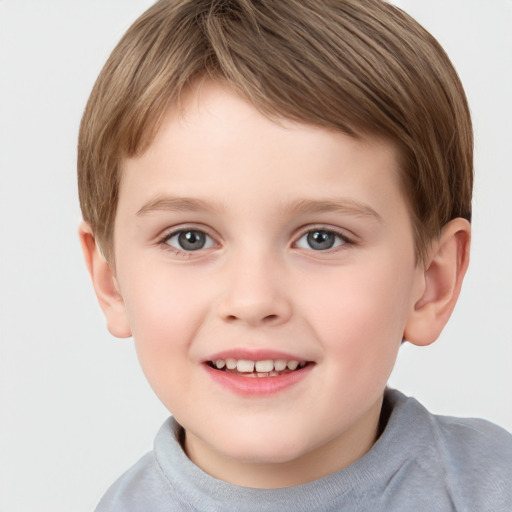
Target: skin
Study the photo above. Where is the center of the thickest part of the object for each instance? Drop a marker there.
(256, 188)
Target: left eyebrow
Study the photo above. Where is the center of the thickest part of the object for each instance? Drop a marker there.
(344, 206)
(178, 204)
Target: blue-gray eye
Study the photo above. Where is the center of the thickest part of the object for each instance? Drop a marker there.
(190, 240)
(320, 240)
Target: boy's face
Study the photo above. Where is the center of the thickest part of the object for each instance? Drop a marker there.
(239, 238)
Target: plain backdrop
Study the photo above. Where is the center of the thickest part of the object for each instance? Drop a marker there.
(75, 410)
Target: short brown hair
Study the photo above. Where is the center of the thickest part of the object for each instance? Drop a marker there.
(359, 66)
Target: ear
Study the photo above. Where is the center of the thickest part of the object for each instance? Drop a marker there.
(105, 284)
(442, 280)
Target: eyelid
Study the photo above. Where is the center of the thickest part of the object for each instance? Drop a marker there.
(169, 233)
(178, 233)
(342, 234)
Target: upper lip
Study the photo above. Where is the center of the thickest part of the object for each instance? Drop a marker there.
(255, 355)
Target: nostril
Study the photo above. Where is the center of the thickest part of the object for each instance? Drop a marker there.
(265, 319)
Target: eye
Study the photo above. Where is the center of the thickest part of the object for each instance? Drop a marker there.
(189, 240)
(320, 240)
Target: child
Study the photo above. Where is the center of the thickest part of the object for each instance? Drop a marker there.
(276, 195)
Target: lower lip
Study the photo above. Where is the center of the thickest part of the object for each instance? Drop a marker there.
(257, 386)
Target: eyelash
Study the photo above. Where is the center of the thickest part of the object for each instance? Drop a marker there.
(163, 241)
(345, 240)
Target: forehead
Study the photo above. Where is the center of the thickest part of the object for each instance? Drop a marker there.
(216, 146)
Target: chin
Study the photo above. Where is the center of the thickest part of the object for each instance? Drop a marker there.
(261, 451)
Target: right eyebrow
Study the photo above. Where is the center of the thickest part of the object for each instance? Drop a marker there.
(178, 204)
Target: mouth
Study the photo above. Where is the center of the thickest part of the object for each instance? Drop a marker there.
(258, 369)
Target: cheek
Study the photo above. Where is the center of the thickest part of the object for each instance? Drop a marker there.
(361, 317)
(164, 315)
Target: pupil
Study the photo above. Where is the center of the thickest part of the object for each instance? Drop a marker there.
(320, 240)
(192, 240)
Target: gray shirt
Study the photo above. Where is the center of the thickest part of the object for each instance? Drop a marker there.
(420, 463)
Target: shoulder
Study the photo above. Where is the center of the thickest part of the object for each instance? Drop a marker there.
(141, 486)
(471, 438)
(478, 458)
(148, 485)
(472, 456)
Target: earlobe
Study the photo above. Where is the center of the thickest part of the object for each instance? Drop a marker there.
(441, 283)
(105, 284)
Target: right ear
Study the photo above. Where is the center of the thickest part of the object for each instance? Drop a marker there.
(105, 284)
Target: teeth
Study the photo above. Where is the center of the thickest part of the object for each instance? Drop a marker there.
(231, 364)
(245, 366)
(267, 367)
(292, 365)
(264, 366)
(279, 365)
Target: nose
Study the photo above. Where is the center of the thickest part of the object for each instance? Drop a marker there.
(255, 292)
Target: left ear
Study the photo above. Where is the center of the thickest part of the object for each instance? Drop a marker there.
(442, 280)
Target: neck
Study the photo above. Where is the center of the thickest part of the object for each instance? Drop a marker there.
(334, 455)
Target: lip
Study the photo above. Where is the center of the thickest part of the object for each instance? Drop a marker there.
(256, 386)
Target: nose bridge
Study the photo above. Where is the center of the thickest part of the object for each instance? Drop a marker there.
(255, 290)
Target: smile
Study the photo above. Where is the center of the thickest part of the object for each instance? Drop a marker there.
(263, 368)
(262, 383)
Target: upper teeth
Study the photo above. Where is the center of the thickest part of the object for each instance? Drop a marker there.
(267, 365)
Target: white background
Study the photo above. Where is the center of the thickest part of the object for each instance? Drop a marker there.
(75, 410)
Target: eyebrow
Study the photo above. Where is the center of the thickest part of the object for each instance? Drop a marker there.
(298, 207)
(178, 204)
(343, 206)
